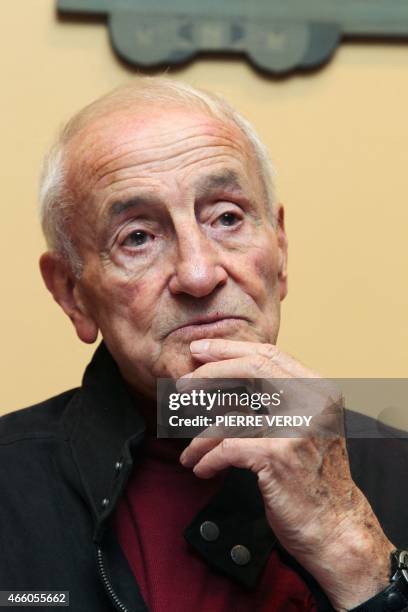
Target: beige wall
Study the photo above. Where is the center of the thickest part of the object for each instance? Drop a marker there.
(338, 138)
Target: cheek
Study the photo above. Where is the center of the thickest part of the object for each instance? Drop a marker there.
(260, 271)
(121, 303)
(265, 263)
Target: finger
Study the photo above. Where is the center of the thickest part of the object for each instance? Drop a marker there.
(231, 452)
(252, 366)
(217, 349)
(210, 437)
(197, 448)
(207, 384)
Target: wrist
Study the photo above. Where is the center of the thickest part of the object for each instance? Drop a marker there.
(355, 568)
(394, 598)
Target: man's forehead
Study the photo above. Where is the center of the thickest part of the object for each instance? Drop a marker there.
(142, 125)
(97, 154)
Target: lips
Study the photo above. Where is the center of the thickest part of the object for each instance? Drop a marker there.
(218, 325)
(204, 320)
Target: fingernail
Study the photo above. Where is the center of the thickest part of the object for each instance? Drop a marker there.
(199, 346)
(184, 459)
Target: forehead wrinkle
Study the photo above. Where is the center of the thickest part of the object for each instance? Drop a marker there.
(120, 185)
(92, 140)
(156, 166)
(114, 152)
(180, 144)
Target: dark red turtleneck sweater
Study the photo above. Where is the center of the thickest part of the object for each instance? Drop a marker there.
(161, 499)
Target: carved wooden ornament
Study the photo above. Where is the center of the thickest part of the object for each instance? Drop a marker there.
(276, 35)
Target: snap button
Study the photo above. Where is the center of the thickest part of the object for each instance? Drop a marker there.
(105, 502)
(240, 555)
(118, 466)
(209, 531)
(394, 601)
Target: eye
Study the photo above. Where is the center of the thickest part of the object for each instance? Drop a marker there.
(228, 219)
(136, 238)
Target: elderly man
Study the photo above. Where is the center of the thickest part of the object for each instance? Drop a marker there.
(164, 235)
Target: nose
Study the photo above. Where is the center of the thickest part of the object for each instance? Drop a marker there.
(198, 270)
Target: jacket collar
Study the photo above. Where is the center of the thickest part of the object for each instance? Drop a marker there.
(104, 426)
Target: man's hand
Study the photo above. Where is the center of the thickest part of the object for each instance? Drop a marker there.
(312, 504)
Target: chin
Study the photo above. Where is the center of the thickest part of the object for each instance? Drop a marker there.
(175, 363)
(183, 367)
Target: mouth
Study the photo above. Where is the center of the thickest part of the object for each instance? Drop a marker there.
(209, 326)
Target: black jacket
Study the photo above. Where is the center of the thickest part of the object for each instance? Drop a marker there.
(65, 462)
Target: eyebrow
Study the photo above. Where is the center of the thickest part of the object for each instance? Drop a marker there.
(227, 179)
(118, 208)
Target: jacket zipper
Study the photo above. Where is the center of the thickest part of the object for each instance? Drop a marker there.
(107, 583)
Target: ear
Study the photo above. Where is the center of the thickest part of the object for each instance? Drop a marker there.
(63, 285)
(283, 252)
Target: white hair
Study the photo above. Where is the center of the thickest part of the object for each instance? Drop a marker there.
(55, 201)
